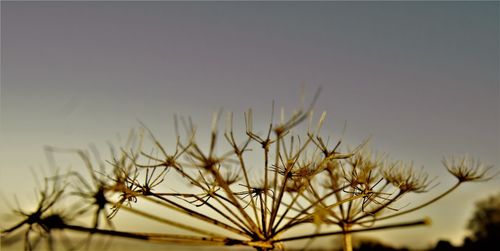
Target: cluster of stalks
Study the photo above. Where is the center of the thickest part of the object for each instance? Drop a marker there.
(304, 181)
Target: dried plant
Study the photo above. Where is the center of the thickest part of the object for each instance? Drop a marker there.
(304, 181)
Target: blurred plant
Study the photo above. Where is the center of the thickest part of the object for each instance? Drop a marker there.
(304, 182)
(485, 224)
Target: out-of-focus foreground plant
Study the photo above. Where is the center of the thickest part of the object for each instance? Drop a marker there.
(303, 181)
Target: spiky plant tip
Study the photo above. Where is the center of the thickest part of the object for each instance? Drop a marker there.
(406, 178)
(466, 169)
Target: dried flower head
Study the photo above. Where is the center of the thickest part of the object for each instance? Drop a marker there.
(465, 169)
(406, 178)
(302, 181)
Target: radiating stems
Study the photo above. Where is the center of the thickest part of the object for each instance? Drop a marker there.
(169, 222)
(418, 207)
(296, 221)
(239, 154)
(179, 208)
(235, 201)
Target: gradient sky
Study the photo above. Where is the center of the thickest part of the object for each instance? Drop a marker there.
(420, 78)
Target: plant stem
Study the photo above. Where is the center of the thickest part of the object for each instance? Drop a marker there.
(347, 238)
(389, 226)
(415, 208)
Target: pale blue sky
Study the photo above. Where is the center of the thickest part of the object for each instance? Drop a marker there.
(421, 78)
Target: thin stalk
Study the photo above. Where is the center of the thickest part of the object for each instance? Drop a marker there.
(418, 207)
(266, 163)
(182, 209)
(243, 227)
(389, 226)
(349, 210)
(275, 201)
(169, 222)
(288, 208)
(235, 201)
(286, 176)
(295, 221)
(156, 237)
(317, 197)
(216, 198)
(239, 152)
(232, 200)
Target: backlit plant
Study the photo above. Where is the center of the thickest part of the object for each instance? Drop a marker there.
(304, 181)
